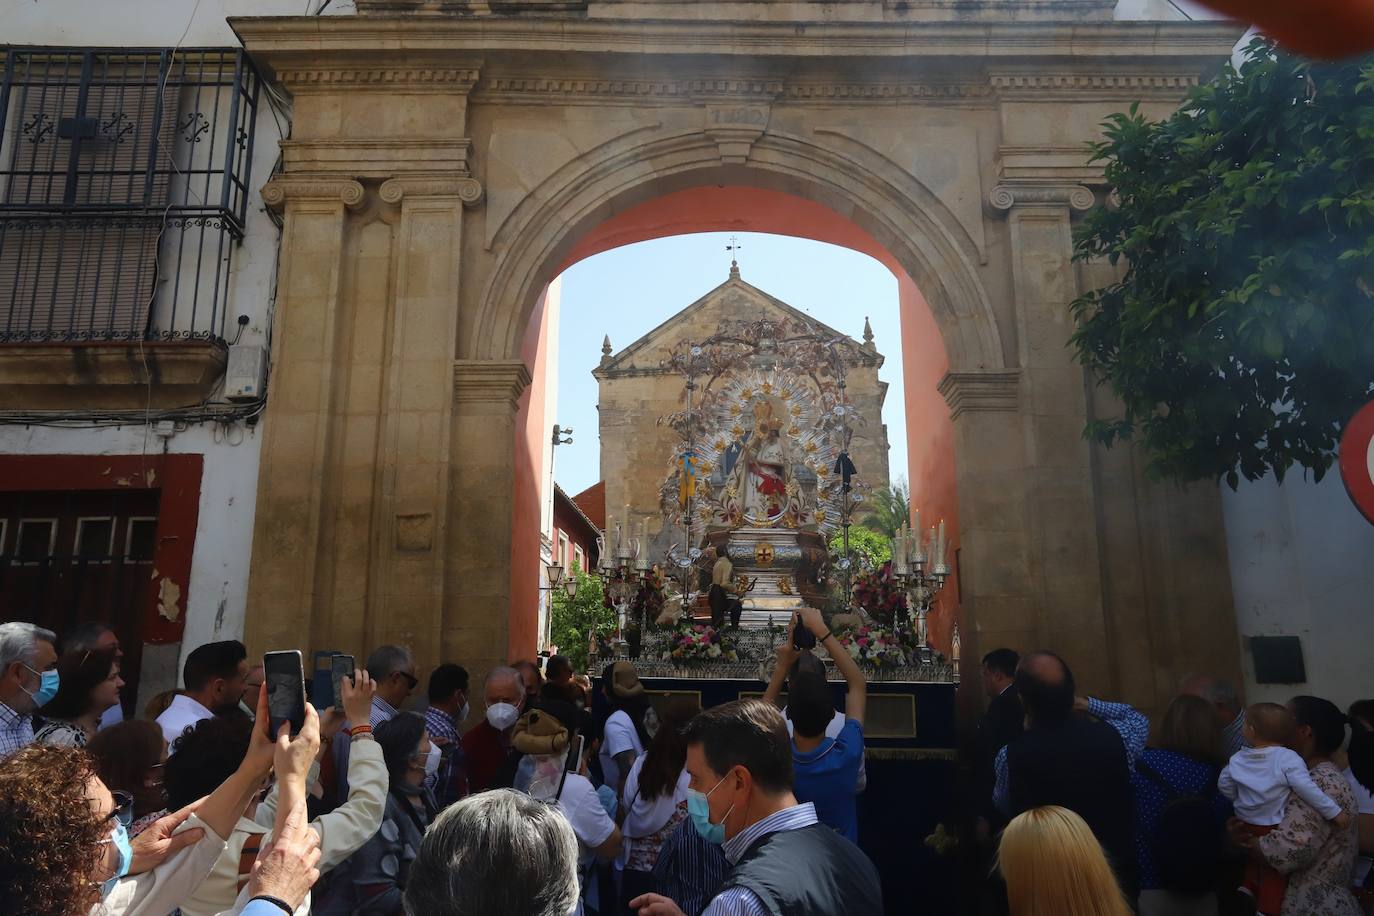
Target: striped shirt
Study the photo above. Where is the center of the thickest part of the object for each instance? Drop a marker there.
(451, 782)
(16, 731)
(740, 901)
(1233, 736)
(382, 711)
(1131, 724)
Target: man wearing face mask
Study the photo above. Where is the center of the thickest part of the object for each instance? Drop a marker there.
(28, 679)
(782, 860)
(491, 760)
(448, 709)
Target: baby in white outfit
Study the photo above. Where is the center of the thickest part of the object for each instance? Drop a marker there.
(1259, 778)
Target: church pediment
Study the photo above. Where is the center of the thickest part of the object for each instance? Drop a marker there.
(732, 301)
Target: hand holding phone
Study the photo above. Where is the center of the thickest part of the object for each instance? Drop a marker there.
(802, 637)
(340, 667)
(284, 678)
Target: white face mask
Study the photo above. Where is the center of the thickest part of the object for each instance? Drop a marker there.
(463, 713)
(502, 716)
(432, 760)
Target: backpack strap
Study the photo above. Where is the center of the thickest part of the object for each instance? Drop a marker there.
(1153, 775)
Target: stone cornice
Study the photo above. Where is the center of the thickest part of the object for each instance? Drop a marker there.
(988, 390)
(481, 381)
(1183, 47)
(466, 189)
(542, 88)
(283, 188)
(1006, 196)
(361, 77)
(376, 157)
(1098, 85)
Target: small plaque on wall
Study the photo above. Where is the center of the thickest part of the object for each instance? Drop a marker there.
(1278, 660)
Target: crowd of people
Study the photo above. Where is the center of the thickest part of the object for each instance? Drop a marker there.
(560, 800)
(1231, 809)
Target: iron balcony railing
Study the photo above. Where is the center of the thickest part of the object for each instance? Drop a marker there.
(124, 187)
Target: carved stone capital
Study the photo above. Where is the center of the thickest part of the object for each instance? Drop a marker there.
(988, 390)
(283, 188)
(487, 381)
(466, 189)
(1075, 196)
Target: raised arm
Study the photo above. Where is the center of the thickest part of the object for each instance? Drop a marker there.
(787, 655)
(1132, 725)
(856, 700)
(345, 829)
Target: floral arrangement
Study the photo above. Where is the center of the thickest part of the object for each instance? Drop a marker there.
(875, 647)
(700, 642)
(879, 594)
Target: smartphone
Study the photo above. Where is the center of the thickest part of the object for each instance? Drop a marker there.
(802, 638)
(284, 676)
(575, 754)
(340, 667)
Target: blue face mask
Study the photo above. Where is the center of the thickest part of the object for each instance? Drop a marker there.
(47, 687)
(699, 810)
(120, 838)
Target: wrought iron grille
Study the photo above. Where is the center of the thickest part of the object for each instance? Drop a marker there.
(124, 185)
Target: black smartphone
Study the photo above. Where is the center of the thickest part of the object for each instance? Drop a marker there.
(575, 754)
(284, 676)
(802, 638)
(340, 667)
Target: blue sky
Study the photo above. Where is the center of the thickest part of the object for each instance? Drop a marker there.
(629, 291)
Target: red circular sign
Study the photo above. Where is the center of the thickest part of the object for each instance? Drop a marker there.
(1357, 460)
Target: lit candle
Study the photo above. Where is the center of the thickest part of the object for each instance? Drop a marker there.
(940, 545)
(899, 552)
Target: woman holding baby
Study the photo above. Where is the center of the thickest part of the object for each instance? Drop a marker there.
(1313, 848)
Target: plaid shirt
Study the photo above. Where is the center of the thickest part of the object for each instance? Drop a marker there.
(16, 731)
(451, 783)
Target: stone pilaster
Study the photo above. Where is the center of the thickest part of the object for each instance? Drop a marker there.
(1065, 577)
(995, 555)
(296, 427)
(476, 614)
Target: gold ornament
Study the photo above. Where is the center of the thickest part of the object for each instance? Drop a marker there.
(763, 554)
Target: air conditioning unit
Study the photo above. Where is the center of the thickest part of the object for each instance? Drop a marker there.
(246, 372)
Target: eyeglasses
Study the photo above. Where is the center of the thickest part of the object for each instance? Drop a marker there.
(411, 679)
(123, 809)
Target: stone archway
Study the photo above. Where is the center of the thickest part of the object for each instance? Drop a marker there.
(444, 163)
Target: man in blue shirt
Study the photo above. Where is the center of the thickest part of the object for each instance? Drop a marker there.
(826, 769)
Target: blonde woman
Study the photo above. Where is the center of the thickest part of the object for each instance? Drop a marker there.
(1054, 866)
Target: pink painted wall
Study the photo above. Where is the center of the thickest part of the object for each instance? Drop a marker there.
(930, 442)
(529, 474)
(741, 209)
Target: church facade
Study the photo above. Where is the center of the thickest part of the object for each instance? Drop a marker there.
(638, 390)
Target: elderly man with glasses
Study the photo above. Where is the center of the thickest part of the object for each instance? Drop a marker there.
(28, 679)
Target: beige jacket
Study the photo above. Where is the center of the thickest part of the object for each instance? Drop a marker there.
(159, 891)
(342, 831)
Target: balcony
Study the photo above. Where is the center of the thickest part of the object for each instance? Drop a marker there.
(124, 186)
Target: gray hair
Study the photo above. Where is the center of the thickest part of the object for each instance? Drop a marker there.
(19, 643)
(495, 852)
(84, 637)
(387, 660)
(504, 671)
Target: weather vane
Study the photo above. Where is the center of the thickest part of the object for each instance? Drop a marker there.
(734, 248)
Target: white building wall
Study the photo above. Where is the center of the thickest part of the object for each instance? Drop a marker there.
(1302, 564)
(217, 593)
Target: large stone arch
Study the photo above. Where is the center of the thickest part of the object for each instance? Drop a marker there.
(411, 262)
(892, 206)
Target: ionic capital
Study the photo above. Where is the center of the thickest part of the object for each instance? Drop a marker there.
(489, 381)
(283, 188)
(466, 189)
(988, 390)
(1075, 196)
